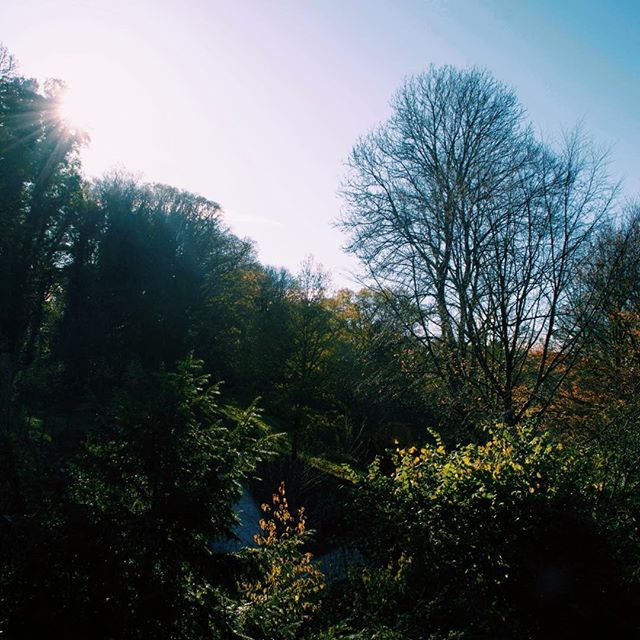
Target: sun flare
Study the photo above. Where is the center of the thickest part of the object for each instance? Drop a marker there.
(78, 110)
(107, 101)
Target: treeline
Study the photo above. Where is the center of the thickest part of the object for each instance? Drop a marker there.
(465, 428)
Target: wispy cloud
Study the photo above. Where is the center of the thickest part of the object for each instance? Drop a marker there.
(243, 219)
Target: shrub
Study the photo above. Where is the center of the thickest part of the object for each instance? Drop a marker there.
(284, 588)
(490, 540)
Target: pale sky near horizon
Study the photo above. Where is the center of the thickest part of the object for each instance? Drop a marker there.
(256, 104)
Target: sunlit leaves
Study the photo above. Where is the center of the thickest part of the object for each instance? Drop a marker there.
(287, 585)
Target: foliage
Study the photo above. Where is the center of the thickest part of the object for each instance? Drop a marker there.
(485, 536)
(153, 486)
(285, 592)
(599, 409)
(345, 632)
(149, 265)
(40, 195)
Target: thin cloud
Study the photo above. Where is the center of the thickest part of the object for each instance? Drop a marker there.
(233, 217)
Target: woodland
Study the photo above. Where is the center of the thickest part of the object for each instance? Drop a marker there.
(460, 432)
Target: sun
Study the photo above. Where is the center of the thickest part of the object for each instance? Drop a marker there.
(77, 110)
(108, 103)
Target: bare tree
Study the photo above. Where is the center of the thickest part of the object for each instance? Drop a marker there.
(474, 230)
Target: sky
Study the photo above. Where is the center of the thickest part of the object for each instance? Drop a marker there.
(256, 103)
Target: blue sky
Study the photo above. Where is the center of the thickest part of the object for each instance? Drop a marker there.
(256, 103)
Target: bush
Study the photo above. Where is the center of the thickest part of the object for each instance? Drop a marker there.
(284, 588)
(499, 539)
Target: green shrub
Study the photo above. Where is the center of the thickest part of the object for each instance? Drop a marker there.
(126, 550)
(499, 539)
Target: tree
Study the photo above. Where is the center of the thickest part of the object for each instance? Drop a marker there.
(267, 335)
(40, 189)
(473, 231)
(599, 407)
(377, 375)
(122, 546)
(312, 333)
(150, 272)
(40, 186)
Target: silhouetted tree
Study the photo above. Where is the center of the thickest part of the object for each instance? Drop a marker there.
(40, 187)
(474, 231)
